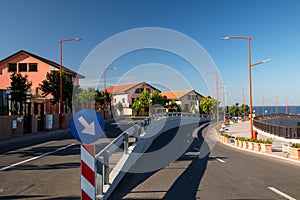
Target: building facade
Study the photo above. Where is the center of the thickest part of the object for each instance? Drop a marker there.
(36, 69)
(187, 99)
(127, 93)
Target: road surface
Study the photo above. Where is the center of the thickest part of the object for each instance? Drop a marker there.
(226, 173)
(47, 168)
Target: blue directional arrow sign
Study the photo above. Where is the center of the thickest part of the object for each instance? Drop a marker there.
(87, 126)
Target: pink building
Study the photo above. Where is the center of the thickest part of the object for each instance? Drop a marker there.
(36, 68)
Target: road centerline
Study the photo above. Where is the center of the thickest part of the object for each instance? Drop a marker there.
(281, 193)
(218, 159)
(36, 157)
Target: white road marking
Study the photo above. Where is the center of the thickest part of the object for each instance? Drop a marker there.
(281, 193)
(218, 159)
(37, 157)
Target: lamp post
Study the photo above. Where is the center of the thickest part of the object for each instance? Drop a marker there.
(60, 80)
(262, 103)
(105, 91)
(286, 107)
(224, 103)
(249, 74)
(217, 94)
(276, 104)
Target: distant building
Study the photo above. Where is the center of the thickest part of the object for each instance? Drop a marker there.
(127, 93)
(36, 68)
(185, 98)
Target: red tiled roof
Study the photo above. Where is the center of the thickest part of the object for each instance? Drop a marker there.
(176, 94)
(123, 88)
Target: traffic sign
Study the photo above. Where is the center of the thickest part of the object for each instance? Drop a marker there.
(87, 126)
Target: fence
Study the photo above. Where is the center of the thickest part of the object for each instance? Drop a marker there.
(110, 162)
(290, 132)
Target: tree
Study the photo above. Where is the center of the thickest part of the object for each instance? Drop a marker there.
(234, 110)
(174, 106)
(51, 85)
(120, 106)
(136, 105)
(208, 105)
(244, 108)
(87, 97)
(144, 100)
(19, 86)
(157, 99)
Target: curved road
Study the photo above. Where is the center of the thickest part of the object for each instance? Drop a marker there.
(226, 173)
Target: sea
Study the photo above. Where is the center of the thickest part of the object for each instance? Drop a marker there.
(258, 110)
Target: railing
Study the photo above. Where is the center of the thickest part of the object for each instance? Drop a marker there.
(290, 132)
(111, 155)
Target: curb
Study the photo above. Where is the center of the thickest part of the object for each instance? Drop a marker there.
(260, 153)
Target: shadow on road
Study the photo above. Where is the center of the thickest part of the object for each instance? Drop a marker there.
(185, 186)
(38, 197)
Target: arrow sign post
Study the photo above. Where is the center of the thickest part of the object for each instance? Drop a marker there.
(87, 126)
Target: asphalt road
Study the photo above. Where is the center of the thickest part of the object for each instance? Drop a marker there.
(225, 173)
(47, 168)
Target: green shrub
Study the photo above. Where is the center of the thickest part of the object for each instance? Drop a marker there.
(296, 145)
(253, 140)
(266, 141)
(241, 139)
(226, 135)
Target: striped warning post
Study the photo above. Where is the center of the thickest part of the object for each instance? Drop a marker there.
(88, 190)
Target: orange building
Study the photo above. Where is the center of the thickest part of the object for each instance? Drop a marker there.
(36, 68)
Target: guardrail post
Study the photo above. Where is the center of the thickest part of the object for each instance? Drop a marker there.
(126, 143)
(99, 178)
(106, 167)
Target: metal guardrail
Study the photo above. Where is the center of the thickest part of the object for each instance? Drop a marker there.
(290, 132)
(120, 145)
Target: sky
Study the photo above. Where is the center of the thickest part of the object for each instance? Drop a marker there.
(274, 26)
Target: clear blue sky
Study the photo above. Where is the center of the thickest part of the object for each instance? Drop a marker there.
(274, 25)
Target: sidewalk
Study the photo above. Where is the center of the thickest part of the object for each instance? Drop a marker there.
(241, 129)
(42, 134)
(32, 136)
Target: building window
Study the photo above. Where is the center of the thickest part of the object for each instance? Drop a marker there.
(12, 67)
(123, 100)
(138, 90)
(33, 67)
(115, 101)
(22, 67)
(194, 97)
(188, 97)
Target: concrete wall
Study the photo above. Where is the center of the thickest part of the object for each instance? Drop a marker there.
(6, 130)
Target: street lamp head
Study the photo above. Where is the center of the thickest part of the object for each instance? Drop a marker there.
(225, 38)
(110, 68)
(267, 60)
(78, 39)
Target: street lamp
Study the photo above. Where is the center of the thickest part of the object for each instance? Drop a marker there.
(105, 91)
(276, 104)
(60, 80)
(217, 94)
(249, 72)
(224, 104)
(262, 103)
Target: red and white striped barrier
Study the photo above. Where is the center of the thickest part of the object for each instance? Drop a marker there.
(88, 188)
